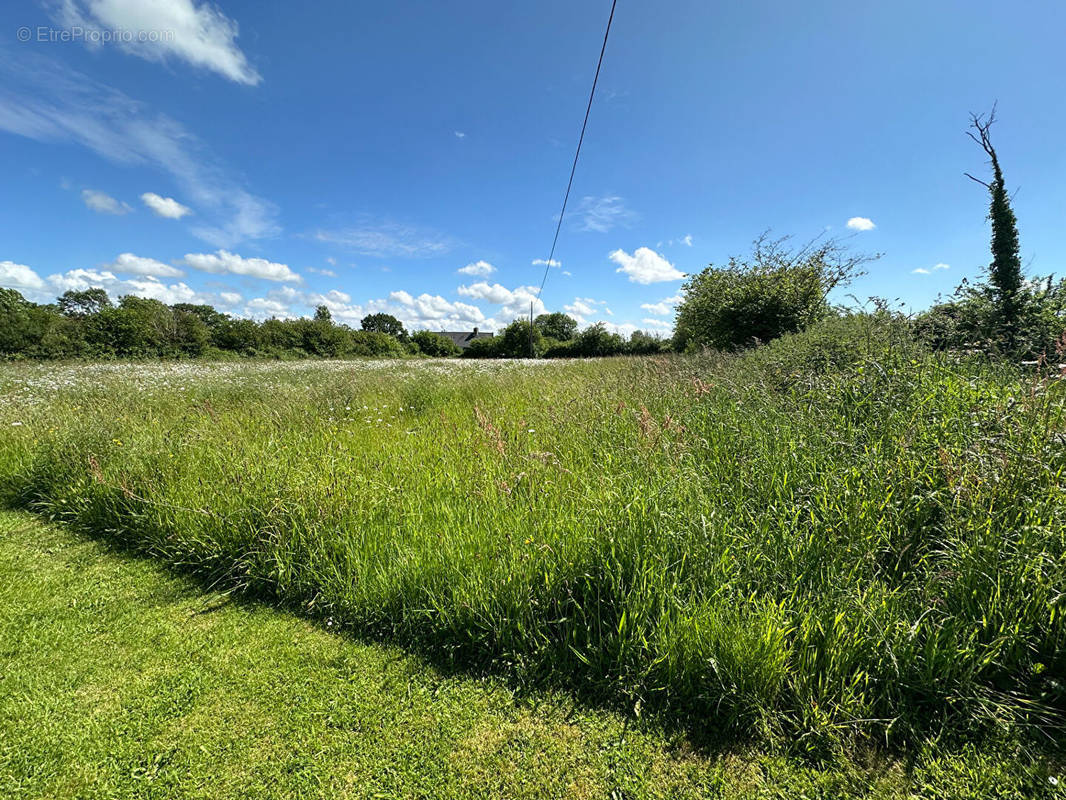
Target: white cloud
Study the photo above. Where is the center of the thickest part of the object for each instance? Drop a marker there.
(657, 323)
(663, 307)
(514, 303)
(229, 299)
(493, 293)
(224, 262)
(387, 239)
(579, 309)
(460, 135)
(166, 207)
(601, 214)
(481, 268)
(199, 34)
(103, 203)
(331, 261)
(645, 266)
(42, 99)
(327, 272)
(861, 224)
(543, 262)
(622, 328)
(687, 240)
(936, 268)
(81, 279)
(19, 276)
(137, 265)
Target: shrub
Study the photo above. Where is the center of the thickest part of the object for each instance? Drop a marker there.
(971, 320)
(557, 326)
(374, 344)
(776, 291)
(483, 348)
(435, 345)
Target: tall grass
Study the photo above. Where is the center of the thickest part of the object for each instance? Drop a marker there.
(834, 537)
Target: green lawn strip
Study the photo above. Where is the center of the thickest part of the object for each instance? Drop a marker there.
(118, 679)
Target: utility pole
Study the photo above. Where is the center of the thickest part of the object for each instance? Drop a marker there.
(531, 329)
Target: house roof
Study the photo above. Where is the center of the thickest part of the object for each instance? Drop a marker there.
(464, 338)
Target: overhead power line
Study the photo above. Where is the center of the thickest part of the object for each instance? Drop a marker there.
(577, 154)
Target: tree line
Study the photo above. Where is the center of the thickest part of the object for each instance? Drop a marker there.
(88, 324)
(778, 289)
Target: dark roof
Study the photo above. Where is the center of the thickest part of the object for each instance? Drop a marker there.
(464, 338)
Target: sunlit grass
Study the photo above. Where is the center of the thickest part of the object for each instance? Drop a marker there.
(763, 545)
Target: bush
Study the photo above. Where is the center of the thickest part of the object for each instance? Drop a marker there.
(483, 348)
(557, 326)
(777, 291)
(374, 344)
(435, 345)
(970, 320)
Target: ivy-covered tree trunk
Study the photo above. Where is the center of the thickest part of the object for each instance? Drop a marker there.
(1005, 272)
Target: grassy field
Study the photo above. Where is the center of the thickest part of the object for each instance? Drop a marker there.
(119, 680)
(766, 548)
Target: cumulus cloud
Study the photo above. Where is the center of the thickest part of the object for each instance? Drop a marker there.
(920, 271)
(196, 33)
(657, 323)
(19, 276)
(601, 214)
(645, 266)
(493, 293)
(327, 272)
(544, 262)
(137, 265)
(687, 240)
(103, 203)
(941, 265)
(149, 287)
(861, 224)
(664, 306)
(226, 263)
(586, 310)
(514, 303)
(460, 135)
(481, 268)
(166, 207)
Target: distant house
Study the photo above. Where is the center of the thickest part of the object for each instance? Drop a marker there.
(464, 338)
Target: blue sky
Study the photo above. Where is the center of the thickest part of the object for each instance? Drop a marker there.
(411, 156)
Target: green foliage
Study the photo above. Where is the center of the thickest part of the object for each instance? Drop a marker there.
(483, 348)
(376, 344)
(972, 320)
(593, 342)
(74, 303)
(557, 326)
(435, 345)
(1005, 272)
(384, 323)
(514, 341)
(777, 290)
(642, 343)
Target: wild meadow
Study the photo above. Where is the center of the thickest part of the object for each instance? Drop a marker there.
(836, 539)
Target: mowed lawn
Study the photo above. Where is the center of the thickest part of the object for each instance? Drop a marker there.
(121, 679)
